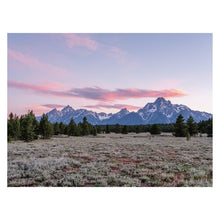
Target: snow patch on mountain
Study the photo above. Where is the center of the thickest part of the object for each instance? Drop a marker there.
(160, 111)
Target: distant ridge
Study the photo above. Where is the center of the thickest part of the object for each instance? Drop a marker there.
(161, 112)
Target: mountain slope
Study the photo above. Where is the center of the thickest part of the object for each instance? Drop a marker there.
(161, 111)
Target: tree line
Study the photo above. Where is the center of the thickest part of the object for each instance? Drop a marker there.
(27, 128)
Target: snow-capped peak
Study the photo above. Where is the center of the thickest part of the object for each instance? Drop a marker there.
(68, 108)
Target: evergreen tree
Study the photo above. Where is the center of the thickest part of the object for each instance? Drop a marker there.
(98, 128)
(209, 129)
(13, 127)
(35, 124)
(72, 129)
(125, 129)
(79, 130)
(94, 131)
(137, 129)
(27, 128)
(155, 129)
(192, 127)
(62, 127)
(10, 126)
(16, 127)
(117, 128)
(107, 130)
(66, 129)
(85, 127)
(180, 127)
(56, 128)
(45, 127)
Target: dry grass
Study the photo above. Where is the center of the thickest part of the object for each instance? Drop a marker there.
(111, 160)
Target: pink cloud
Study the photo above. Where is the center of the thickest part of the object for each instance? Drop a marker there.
(52, 106)
(73, 40)
(38, 89)
(115, 106)
(34, 63)
(97, 93)
(55, 85)
(123, 94)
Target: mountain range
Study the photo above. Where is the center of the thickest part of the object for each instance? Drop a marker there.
(161, 112)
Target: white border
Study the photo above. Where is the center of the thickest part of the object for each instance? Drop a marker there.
(104, 17)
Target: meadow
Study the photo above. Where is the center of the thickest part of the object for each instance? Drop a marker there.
(111, 160)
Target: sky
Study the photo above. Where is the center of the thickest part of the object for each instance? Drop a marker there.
(108, 72)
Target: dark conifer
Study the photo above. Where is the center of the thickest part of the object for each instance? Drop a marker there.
(192, 127)
(45, 127)
(62, 127)
(155, 129)
(107, 130)
(85, 127)
(94, 131)
(209, 129)
(56, 128)
(117, 128)
(72, 129)
(180, 127)
(27, 128)
(125, 129)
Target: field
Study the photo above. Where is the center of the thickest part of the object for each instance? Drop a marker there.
(133, 159)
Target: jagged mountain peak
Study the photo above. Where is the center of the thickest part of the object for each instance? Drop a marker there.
(67, 108)
(160, 111)
(124, 110)
(161, 101)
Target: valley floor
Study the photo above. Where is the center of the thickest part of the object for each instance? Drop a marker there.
(111, 160)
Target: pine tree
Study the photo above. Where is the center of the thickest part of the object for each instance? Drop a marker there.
(16, 128)
(117, 128)
(155, 129)
(56, 128)
(62, 127)
(72, 129)
(45, 127)
(27, 128)
(107, 130)
(35, 124)
(180, 127)
(125, 129)
(137, 129)
(94, 131)
(79, 130)
(10, 126)
(192, 127)
(13, 127)
(209, 129)
(98, 128)
(85, 127)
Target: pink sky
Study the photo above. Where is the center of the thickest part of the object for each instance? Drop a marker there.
(107, 72)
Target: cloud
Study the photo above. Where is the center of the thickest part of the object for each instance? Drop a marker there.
(97, 93)
(34, 63)
(52, 106)
(115, 106)
(73, 40)
(38, 89)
